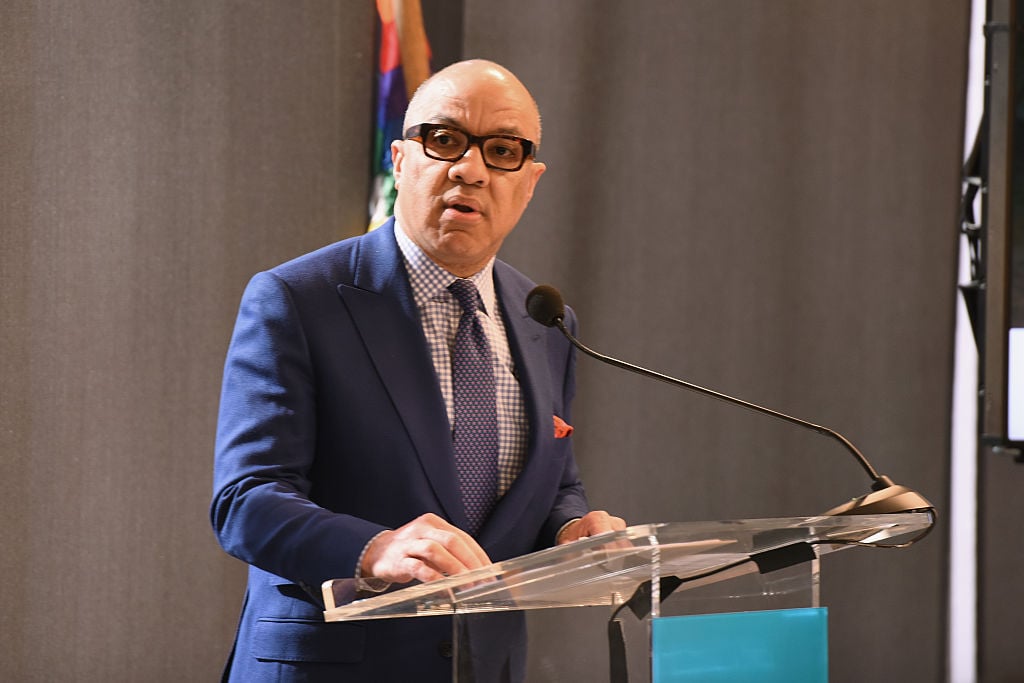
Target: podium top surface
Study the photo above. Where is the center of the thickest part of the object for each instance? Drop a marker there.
(606, 569)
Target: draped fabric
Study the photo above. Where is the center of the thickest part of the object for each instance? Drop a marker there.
(403, 61)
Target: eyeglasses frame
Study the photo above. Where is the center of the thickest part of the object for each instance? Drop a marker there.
(421, 130)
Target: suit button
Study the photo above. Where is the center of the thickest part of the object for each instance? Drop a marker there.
(444, 648)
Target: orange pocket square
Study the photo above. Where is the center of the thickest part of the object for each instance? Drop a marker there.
(562, 428)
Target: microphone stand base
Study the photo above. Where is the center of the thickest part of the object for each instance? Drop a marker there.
(889, 500)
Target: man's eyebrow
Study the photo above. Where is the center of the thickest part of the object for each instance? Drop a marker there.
(446, 121)
(510, 131)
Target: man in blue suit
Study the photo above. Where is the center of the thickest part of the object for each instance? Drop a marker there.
(335, 448)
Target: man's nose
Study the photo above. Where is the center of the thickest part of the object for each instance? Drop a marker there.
(470, 169)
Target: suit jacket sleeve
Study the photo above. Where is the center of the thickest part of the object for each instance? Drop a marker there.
(571, 501)
(261, 511)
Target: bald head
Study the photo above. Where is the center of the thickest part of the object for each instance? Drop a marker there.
(461, 77)
(459, 210)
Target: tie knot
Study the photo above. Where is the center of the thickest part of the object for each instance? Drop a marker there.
(466, 294)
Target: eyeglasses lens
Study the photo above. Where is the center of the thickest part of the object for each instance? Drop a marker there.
(448, 144)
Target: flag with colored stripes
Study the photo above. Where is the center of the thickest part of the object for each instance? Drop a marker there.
(403, 64)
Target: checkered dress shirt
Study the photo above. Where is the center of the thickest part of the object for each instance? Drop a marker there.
(439, 314)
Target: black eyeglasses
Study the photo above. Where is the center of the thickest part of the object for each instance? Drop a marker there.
(448, 143)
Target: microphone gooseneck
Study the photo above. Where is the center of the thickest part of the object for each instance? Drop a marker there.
(545, 305)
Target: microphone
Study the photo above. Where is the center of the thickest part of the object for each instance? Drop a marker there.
(545, 305)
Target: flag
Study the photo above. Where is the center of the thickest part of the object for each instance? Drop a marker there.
(403, 63)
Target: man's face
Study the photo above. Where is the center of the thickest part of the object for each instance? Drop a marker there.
(460, 212)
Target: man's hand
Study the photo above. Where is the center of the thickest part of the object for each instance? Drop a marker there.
(591, 524)
(426, 548)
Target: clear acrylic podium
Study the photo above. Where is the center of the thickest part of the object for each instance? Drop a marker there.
(630, 592)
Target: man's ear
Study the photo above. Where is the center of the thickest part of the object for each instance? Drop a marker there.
(537, 169)
(397, 159)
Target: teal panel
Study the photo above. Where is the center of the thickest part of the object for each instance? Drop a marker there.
(778, 646)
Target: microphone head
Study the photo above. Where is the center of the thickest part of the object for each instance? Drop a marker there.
(544, 304)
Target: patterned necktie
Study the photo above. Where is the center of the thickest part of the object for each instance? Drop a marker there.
(475, 435)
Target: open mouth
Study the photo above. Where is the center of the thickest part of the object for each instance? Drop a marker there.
(462, 208)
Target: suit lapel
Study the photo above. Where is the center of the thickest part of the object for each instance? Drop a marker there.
(527, 341)
(381, 304)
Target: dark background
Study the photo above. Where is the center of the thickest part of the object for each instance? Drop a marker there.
(760, 197)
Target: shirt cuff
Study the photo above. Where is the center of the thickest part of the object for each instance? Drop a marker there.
(564, 526)
(369, 584)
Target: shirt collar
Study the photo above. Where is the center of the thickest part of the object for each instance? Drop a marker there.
(430, 281)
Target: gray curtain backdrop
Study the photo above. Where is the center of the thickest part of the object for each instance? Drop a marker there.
(152, 157)
(756, 196)
(759, 197)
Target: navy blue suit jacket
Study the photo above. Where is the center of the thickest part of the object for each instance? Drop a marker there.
(332, 428)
